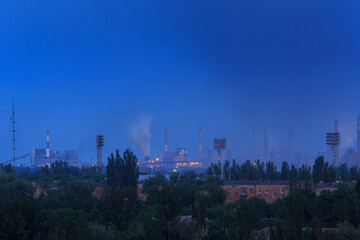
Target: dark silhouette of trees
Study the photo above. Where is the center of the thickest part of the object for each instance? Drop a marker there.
(122, 172)
(285, 171)
(318, 169)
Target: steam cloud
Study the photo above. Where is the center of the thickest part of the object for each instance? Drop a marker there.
(140, 134)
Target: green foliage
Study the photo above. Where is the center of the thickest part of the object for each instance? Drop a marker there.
(318, 169)
(122, 171)
(285, 171)
(153, 187)
(119, 207)
(70, 211)
(226, 170)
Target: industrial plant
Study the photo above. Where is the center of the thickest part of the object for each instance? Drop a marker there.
(174, 161)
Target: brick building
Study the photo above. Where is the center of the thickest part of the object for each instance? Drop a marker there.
(235, 190)
(267, 190)
(101, 187)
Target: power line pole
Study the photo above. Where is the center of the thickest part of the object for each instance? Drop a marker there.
(13, 143)
(99, 145)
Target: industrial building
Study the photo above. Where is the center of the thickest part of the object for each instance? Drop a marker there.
(42, 156)
(175, 160)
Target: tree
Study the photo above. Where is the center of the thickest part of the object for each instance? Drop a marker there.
(235, 171)
(270, 171)
(285, 170)
(153, 187)
(199, 210)
(119, 207)
(226, 170)
(260, 166)
(330, 173)
(353, 173)
(343, 171)
(122, 171)
(318, 169)
(187, 185)
(243, 217)
(304, 172)
(131, 170)
(248, 170)
(214, 191)
(293, 176)
(213, 170)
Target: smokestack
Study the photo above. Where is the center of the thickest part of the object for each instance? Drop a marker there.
(336, 125)
(200, 145)
(166, 142)
(265, 145)
(336, 130)
(291, 145)
(358, 141)
(253, 144)
(48, 147)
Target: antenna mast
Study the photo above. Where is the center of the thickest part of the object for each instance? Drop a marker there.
(99, 146)
(13, 142)
(13, 133)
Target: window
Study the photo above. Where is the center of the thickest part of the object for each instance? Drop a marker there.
(98, 192)
(266, 199)
(229, 190)
(229, 198)
(266, 190)
(251, 190)
(282, 190)
(259, 190)
(236, 194)
(233, 186)
(274, 194)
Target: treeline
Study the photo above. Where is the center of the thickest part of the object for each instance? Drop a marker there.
(182, 206)
(258, 170)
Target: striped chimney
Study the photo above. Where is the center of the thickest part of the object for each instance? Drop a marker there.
(48, 147)
(166, 142)
(200, 145)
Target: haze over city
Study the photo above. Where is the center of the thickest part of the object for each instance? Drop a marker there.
(83, 68)
(180, 120)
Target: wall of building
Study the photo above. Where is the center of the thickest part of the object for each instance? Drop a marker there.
(269, 191)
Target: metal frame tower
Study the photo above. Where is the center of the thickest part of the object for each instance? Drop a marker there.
(358, 141)
(48, 148)
(165, 141)
(200, 146)
(13, 144)
(13, 133)
(333, 141)
(219, 145)
(99, 145)
(266, 154)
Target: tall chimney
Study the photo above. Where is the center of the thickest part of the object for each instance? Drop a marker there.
(291, 145)
(253, 151)
(200, 146)
(358, 141)
(336, 125)
(48, 147)
(265, 145)
(166, 142)
(336, 129)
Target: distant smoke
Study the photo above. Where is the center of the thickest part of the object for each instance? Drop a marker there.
(140, 134)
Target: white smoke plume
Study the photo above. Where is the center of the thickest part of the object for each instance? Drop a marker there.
(140, 133)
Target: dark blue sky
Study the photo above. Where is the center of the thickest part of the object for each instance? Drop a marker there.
(80, 68)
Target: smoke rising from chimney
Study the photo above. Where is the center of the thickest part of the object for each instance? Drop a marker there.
(140, 133)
